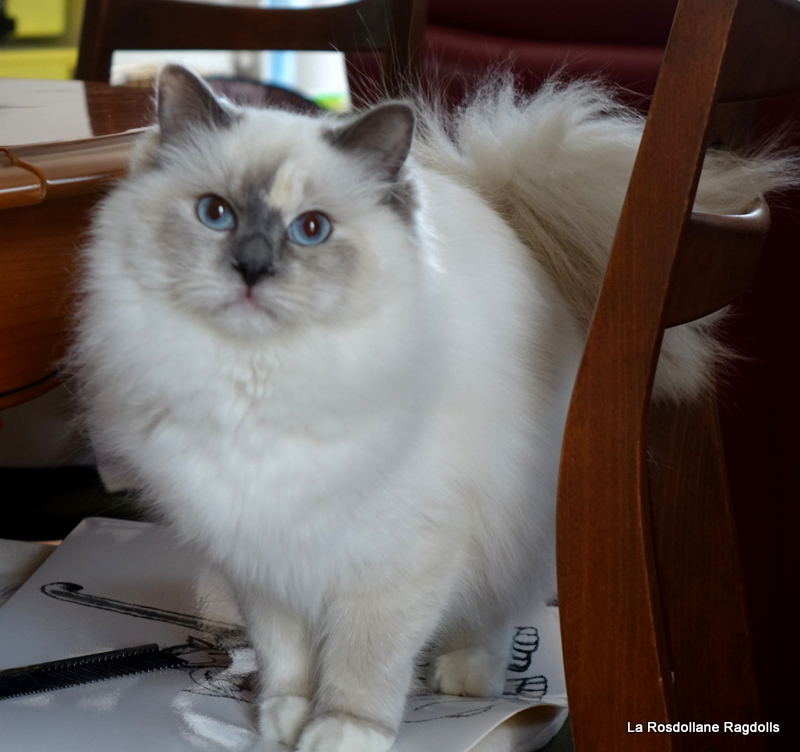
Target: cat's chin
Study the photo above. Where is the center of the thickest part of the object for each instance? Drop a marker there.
(246, 317)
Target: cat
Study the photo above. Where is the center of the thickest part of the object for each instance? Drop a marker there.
(337, 354)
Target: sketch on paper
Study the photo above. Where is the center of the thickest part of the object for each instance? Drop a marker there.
(221, 664)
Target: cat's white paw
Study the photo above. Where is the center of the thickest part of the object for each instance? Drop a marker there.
(282, 718)
(474, 672)
(344, 733)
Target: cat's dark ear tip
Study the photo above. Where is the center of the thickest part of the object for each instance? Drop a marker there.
(400, 111)
(172, 73)
(383, 134)
(406, 111)
(184, 99)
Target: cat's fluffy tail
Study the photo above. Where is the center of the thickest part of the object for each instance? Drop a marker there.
(556, 166)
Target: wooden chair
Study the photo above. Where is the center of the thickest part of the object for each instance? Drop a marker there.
(653, 613)
(392, 27)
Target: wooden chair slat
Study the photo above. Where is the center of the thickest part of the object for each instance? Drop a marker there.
(649, 580)
(393, 27)
(700, 575)
(717, 263)
(161, 24)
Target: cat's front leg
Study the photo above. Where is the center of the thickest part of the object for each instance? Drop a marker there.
(283, 655)
(471, 659)
(365, 669)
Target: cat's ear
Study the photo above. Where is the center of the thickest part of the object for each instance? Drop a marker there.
(383, 135)
(184, 102)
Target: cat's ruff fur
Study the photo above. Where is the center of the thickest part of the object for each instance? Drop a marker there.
(367, 445)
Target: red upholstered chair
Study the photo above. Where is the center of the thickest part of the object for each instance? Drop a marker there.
(620, 40)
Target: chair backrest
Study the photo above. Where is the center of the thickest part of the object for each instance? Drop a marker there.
(392, 27)
(653, 614)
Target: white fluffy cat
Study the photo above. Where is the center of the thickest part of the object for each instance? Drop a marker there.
(339, 358)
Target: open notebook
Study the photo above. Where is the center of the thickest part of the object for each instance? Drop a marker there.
(115, 584)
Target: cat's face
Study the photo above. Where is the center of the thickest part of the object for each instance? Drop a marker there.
(264, 220)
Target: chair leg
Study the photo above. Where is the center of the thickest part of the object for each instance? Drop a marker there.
(700, 575)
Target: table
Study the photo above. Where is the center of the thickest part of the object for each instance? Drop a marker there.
(62, 144)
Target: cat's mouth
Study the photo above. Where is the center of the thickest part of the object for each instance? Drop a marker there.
(248, 302)
(246, 315)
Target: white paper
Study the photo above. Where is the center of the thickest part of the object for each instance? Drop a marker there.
(18, 561)
(115, 584)
(40, 99)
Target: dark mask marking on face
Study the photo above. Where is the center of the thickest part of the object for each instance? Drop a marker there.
(258, 246)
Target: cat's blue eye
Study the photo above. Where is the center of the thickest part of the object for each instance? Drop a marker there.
(215, 212)
(309, 229)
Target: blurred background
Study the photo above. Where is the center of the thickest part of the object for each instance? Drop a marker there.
(40, 40)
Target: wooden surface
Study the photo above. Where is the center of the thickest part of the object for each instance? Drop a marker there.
(61, 145)
(59, 138)
(394, 27)
(37, 258)
(33, 111)
(700, 575)
(651, 596)
(717, 262)
(608, 584)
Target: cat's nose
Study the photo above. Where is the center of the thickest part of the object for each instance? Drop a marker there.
(256, 255)
(252, 270)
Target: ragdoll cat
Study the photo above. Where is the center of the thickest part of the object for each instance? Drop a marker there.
(338, 357)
